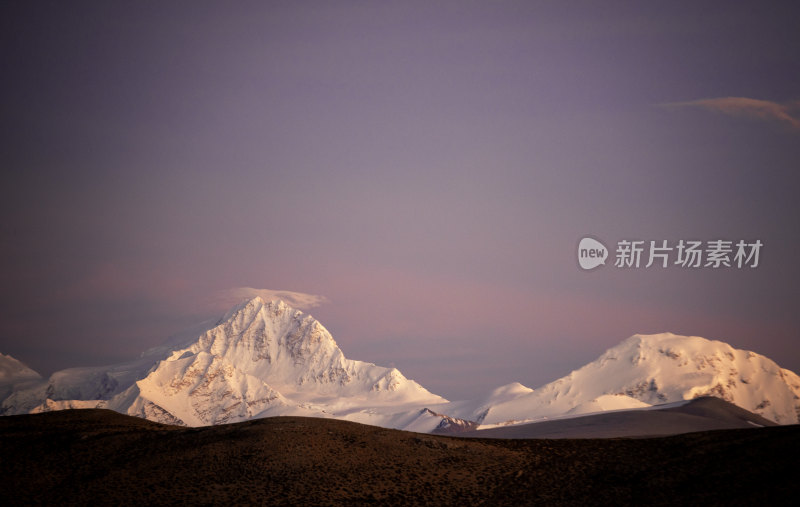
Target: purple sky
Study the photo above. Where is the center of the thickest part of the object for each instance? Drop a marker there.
(428, 167)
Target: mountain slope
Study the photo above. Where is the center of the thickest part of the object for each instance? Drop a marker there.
(646, 370)
(700, 414)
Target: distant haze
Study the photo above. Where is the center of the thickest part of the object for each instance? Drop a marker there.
(416, 175)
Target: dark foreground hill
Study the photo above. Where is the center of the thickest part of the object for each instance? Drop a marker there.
(101, 457)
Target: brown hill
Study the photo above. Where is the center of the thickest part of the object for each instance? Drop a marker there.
(101, 457)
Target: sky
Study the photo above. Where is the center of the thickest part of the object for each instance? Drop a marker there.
(416, 175)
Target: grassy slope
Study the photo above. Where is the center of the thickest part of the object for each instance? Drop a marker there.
(96, 456)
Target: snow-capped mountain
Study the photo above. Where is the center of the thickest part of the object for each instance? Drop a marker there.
(647, 370)
(261, 359)
(266, 359)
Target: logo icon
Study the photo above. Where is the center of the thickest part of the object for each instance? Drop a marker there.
(591, 253)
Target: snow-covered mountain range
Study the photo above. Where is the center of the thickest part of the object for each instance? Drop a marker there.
(648, 370)
(265, 358)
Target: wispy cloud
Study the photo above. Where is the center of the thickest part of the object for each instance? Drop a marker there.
(752, 108)
(227, 298)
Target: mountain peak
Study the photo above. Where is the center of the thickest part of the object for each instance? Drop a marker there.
(263, 331)
(666, 367)
(254, 305)
(642, 347)
(266, 358)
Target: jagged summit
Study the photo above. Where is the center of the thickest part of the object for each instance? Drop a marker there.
(265, 331)
(266, 326)
(254, 305)
(266, 358)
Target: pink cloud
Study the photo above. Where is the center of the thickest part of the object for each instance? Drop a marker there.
(743, 106)
(225, 299)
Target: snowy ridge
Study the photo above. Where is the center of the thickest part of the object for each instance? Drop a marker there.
(647, 370)
(264, 358)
